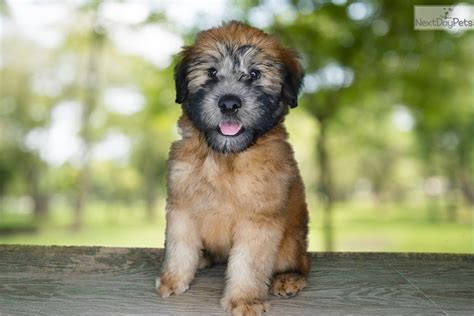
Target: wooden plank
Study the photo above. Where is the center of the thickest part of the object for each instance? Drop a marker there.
(96, 280)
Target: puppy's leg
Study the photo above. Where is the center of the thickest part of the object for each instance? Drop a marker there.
(182, 254)
(205, 260)
(293, 263)
(250, 266)
(291, 267)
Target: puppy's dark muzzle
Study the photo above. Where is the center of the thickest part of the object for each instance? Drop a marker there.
(229, 104)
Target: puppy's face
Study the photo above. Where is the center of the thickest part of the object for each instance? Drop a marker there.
(235, 84)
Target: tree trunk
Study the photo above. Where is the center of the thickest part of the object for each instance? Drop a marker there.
(452, 198)
(149, 170)
(150, 200)
(40, 199)
(465, 175)
(40, 206)
(467, 188)
(90, 96)
(325, 186)
(82, 189)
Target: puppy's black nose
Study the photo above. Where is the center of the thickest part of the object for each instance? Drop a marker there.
(229, 103)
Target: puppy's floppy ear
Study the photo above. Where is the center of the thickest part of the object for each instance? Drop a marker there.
(293, 80)
(180, 73)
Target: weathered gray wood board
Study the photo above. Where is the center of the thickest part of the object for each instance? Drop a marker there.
(93, 280)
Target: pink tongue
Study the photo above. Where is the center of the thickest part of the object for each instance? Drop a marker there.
(230, 129)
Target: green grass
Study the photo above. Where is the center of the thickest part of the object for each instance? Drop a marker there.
(357, 227)
(394, 228)
(104, 225)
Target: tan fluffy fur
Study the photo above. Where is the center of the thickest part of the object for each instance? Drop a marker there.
(245, 208)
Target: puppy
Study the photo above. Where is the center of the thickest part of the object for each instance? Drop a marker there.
(235, 193)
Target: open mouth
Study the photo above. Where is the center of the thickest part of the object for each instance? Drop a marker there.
(228, 128)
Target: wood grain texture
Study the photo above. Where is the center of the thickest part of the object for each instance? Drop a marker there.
(36, 280)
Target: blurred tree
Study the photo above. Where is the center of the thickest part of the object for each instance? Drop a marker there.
(364, 65)
(91, 85)
(343, 53)
(154, 131)
(24, 117)
(348, 55)
(438, 62)
(6, 175)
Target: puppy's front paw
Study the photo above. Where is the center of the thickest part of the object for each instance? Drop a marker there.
(245, 307)
(287, 284)
(168, 284)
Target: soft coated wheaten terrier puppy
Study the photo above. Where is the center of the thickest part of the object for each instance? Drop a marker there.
(235, 193)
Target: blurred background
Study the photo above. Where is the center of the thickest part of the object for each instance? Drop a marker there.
(384, 133)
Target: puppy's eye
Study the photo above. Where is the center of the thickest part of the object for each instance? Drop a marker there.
(212, 73)
(254, 74)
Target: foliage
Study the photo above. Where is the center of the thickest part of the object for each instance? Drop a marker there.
(386, 115)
